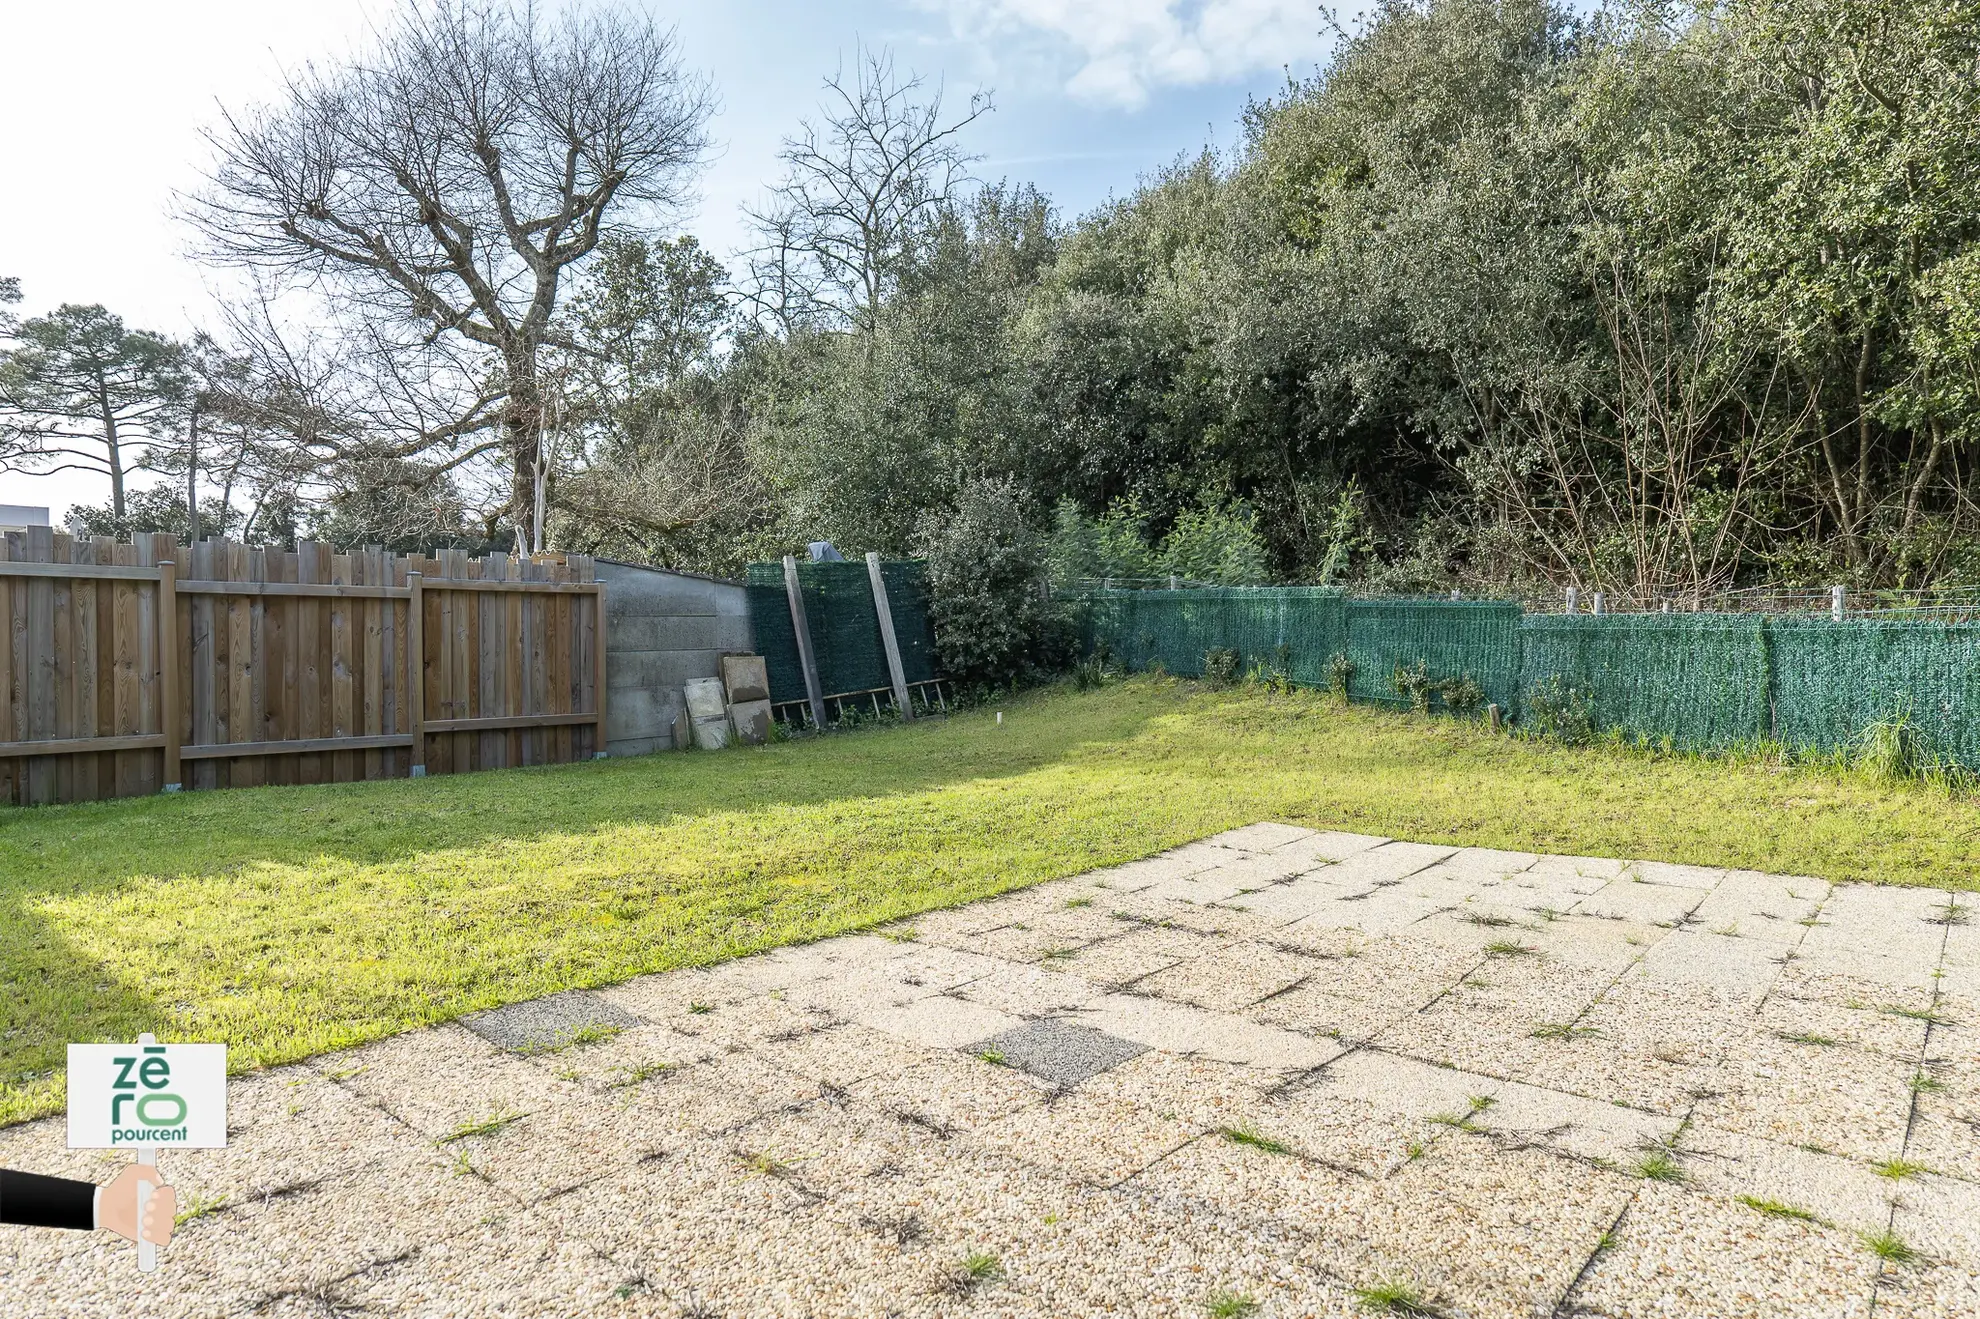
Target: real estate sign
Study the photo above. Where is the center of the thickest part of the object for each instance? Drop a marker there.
(132, 1096)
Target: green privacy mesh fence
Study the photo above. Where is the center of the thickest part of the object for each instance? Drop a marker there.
(1700, 681)
(845, 628)
(1833, 680)
(1293, 627)
(1451, 639)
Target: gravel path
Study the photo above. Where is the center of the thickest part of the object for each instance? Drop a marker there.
(1273, 1073)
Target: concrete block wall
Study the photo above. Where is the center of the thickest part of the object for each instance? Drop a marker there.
(661, 629)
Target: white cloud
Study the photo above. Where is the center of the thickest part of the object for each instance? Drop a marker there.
(1127, 49)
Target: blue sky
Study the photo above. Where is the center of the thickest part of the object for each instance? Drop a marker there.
(104, 100)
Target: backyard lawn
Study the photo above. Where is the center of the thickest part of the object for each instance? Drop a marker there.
(290, 921)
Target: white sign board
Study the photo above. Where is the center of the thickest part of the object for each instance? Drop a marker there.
(129, 1096)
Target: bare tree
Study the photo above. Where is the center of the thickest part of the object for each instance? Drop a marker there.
(449, 179)
(858, 188)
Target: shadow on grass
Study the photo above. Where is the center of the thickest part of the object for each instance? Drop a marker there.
(94, 846)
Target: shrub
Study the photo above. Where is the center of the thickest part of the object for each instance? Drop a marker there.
(1340, 673)
(1462, 695)
(1559, 708)
(1220, 666)
(986, 567)
(1413, 684)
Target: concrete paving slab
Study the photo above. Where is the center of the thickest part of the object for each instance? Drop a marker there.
(1687, 1255)
(1063, 1053)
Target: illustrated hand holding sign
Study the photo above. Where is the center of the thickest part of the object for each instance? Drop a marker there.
(139, 1097)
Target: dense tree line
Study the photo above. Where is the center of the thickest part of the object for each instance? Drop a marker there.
(1651, 299)
(1655, 299)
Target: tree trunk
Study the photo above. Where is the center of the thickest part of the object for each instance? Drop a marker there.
(115, 453)
(524, 425)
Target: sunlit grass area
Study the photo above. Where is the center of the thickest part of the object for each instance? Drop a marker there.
(290, 921)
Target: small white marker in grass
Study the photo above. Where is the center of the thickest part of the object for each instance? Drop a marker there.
(1000, 718)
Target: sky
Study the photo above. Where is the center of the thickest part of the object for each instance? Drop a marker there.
(105, 101)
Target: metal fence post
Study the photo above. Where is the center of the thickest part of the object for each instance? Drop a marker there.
(1573, 597)
(1599, 604)
(1836, 603)
(806, 659)
(884, 611)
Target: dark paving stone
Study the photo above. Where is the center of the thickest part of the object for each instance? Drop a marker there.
(547, 1023)
(1062, 1052)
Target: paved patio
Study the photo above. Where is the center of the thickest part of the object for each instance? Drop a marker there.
(1274, 1073)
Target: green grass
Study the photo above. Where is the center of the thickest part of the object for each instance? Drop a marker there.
(1254, 1138)
(1776, 1209)
(1230, 1305)
(1890, 1247)
(287, 922)
(487, 1126)
(1659, 1166)
(1394, 1298)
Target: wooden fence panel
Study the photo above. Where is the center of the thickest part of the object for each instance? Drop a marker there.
(283, 666)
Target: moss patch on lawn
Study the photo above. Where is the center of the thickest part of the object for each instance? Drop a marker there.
(290, 921)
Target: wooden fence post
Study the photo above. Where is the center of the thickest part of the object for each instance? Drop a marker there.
(598, 751)
(885, 611)
(806, 659)
(416, 672)
(168, 671)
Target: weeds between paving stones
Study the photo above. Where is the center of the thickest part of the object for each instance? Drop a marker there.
(1564, 1030)
(700, 1009)
(1073, 904)
(1898, 1169)
(1659, 1165)
(1486, 919)
(1930, 1016)
(1924, 1083)
(1510, 948)
(632, 1076)
(1464, 1121)
(970, 1272)
(199, 1206)
(1395, 1298)
(1246, 1134)
(1230, 1305)
(1794, 1037)
(487, 1126)
(995, 1057)
(1775, 1209)
(596, 1033)
(1889, 1247)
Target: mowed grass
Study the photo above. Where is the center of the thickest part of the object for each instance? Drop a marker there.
(290, 921)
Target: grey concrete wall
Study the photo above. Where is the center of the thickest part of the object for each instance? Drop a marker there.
(662, 628)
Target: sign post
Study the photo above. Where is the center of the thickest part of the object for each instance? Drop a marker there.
(144, 1095)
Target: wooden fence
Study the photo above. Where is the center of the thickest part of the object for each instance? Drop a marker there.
(131, 669)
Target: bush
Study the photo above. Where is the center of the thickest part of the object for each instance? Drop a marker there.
(1221, 666)
(986, 570)
(1340, 674)
(1462, 695)
(1413, 684)
(1559, 708)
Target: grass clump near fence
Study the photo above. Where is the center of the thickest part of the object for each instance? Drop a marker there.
(1902, 693)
